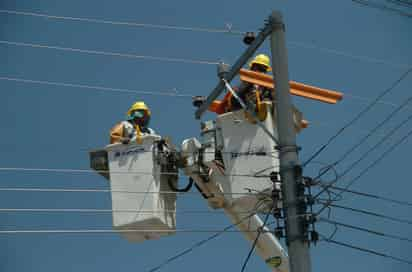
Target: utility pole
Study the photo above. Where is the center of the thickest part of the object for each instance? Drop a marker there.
(290, 171)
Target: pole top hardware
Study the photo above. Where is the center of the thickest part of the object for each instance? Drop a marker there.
(249, 38)
(222, 70)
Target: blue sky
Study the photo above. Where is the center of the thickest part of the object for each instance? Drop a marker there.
(53, 127)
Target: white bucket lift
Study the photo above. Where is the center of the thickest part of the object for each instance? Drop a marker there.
(249, 157)
(137, 184)
(232, 165)
(241, 157)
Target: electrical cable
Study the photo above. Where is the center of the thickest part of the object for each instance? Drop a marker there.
(382, 7)
(403, 3)
(198, 244)
(373, 131)
(88, 231)
(92, 190)
(359, 143)
(367, 251)
(368, 100)
(255, 242)
(99, 211)
(80, 171)
(358, 116)
(348, 55)
(227, 30)
(396, 237)
(391, 200)
(370, 166)
(180, 190)
(172, 93)
(383, 216)
(106, 53)
(374, 147)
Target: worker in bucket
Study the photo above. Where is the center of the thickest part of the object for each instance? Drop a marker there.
(249, 93)
(136, 125)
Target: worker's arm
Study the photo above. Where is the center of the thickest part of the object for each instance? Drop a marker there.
(241, 91)
(117, 135)
(220, 106)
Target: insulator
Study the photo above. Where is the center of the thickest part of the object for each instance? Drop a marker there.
(274, 176)
(308, 181)
(314, 236)
(197, 101)
(249, 38)
(222, 70)
(275, 194)
(310, 200)
(298, 171)
(277, 213)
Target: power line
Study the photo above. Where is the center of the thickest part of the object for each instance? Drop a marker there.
(388, 135)
(404, 3)
(77, 190)
(227, 30)
(367, 250)
(383, 216)
(368, 100)
(255, 242)
(349, 55)
(363, 140)
(363, 156)
(390, 149)
(358, 116)
(106, 53)
(197, 244)
(400, 202)
(67, 170)
(98, 211)
(392, 236)
(97, 231)
(82, 171)
(370, 166)
(382, 7)
(172, 93)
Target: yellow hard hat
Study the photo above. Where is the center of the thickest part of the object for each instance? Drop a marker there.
(261, 59)
(139, 105)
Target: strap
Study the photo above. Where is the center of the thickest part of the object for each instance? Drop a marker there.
(138, 134)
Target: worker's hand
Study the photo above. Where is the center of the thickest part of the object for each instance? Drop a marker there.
(125, 140)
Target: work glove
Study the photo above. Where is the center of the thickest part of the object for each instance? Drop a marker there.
(125, 140)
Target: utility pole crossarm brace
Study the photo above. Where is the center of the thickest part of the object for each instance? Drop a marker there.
(266, 31)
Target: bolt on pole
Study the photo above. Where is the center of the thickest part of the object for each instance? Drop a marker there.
(298, 247)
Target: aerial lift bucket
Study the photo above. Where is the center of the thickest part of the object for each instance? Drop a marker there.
(240, 157)
(144, 207)
(249, 156)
